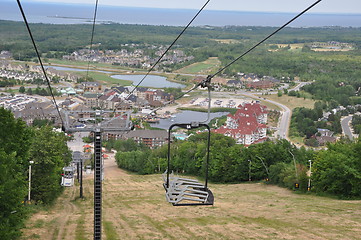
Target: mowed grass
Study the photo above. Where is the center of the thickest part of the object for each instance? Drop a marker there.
(134, 207)
(291, 102)
(106, 78)
(84, 64)
(204, 67)
(137, 207)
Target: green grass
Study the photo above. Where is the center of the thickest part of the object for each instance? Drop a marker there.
(80, 229)
(109, 230)
(99, 76)
(292, 102)
(202, 67)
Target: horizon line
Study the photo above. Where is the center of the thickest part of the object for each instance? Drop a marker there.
(189, 9)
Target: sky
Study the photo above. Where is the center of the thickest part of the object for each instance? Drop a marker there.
(291, 6)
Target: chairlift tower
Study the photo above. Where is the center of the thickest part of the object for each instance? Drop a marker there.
(78, 159)
(97, 130)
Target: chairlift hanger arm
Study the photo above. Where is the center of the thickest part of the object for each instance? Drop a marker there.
(191, 125)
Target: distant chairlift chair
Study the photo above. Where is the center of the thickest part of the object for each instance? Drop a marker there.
(67, 179)
(184, 191)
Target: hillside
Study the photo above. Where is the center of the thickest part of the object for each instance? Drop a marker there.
(134, 207)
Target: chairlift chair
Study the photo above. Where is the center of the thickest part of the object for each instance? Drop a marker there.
(184, 191)
(67, 179)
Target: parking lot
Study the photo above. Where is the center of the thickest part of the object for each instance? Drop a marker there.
(217, 102)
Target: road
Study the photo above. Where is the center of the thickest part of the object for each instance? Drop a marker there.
(299, 86)
(285, 118)
(77, 143)
(345, 124)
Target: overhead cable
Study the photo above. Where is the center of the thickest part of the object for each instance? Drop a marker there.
(41, 63)
(92, 36)
(266, 38)
(206, 81)
(170, 46)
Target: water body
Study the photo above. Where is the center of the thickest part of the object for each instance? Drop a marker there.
(150, 81)
(58, 13)
(187, 117)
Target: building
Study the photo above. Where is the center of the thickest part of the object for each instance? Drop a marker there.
(91, 99)
(151, 138)
(248, 125)
(234, 83)
(94, 87)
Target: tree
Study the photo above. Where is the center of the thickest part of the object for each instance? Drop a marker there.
(29, 91)
(50, 154)
(338, 170)
(14, 145)
(22, 89)
(12, 191)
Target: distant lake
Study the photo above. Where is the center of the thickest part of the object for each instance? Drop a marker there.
(187, 117)
(150, 81)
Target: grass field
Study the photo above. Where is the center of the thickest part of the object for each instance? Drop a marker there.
(84, 64)
(291, 102)
(105, 78)
(206, 67)
(134, 207)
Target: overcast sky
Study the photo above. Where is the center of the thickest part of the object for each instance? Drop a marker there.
(325, 6)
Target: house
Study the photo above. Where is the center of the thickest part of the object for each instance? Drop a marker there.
(234, 83)
(324, 132)
(248, 125)
(92, 87)
(325, 136)
(40, 111)
(323, 140)
(91, 99)
(141, 92)
(152, 138)
(108, 101)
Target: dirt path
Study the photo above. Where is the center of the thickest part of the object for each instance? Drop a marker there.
(64, 219)
(134, 207)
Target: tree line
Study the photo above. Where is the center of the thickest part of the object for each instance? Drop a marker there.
(20, 144)
(279, 163)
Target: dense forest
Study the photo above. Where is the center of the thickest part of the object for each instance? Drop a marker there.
(20, 144)
(335, 171)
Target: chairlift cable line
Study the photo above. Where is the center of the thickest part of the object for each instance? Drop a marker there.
(39, 58)
(245, 53)
(266, 38)
(170, 46)
(92, 36)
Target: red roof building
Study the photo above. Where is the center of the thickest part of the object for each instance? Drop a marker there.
(248, 125)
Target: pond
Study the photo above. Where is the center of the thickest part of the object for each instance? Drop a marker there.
(187, 117)
(150, 81)
(154, 81)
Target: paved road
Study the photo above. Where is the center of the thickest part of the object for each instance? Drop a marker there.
(285, 118)
(300, 85)
(77, 143)
(345, 124)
